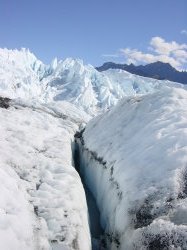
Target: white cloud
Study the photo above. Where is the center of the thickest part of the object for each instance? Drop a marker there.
(184, 32)
(159, 50)
(162, 47)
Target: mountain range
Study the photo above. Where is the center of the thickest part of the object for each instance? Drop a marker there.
(157, 70)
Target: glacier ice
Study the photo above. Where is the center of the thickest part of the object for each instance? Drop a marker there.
(133, 158)
(23, 75)
(137, 170)
(42, 198)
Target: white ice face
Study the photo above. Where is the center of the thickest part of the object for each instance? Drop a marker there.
(23, 75)
(137, 170)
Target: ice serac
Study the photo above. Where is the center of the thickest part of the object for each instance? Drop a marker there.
(20, 74)
(23, 75)
(72, 82)
(94, 91)
(42, 202)
(137, 170)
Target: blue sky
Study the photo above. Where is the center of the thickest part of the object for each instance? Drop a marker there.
(135, 31)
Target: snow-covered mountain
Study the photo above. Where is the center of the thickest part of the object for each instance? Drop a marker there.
(132, 157)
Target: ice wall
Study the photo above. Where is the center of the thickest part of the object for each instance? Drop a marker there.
(134, 161)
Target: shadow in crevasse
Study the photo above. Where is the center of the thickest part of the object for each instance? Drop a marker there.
(96, 230)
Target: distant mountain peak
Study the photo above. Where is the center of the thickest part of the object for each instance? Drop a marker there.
(158, 70)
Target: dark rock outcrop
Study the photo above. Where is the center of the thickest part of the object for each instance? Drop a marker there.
(4, 102)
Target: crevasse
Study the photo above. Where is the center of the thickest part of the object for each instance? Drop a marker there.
(96, 228)
(96, 186)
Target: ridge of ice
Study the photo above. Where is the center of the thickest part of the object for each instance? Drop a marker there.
(141, 190)
(42, 200)
(23, 75)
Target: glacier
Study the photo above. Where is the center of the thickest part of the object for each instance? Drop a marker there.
(23, 75)
(130, 132)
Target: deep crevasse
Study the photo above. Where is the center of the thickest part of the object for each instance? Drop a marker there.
(97, 182)
(96, 230)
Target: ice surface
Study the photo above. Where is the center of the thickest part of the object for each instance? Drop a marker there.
(137, 170)
(42, 197)
(134, 157)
